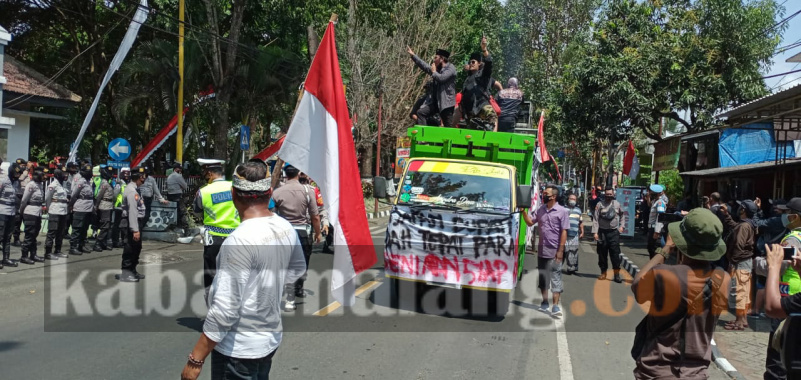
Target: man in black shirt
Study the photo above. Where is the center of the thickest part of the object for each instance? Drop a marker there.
(475, 105)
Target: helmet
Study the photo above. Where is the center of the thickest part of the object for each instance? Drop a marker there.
(14, 171)
(105, 172)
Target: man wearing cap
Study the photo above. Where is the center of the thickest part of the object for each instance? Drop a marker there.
(104, 205)
(133, 209)
(475, 105)
(24, 178)
(9, 186)
(56, 201)
(741, 244)
(674, 341)
(119, 225)
(607, 225)
(31, 209)
(659, 202)
(296, 203)
(176, 185)
(214, 203)
(443, 74)
(81, 205)
(256, 260)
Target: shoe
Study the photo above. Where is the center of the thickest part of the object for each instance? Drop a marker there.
(60, 255)
(16, 243)
(50, 256)
(10, 263)
(117, 245)
(97, 249)
(300, 293)
(556, 311)
(127, 278)
(289, 306)
(38, 259)
(327, 250)
(75, 252)
(139, 276)
(26, 260)
(618, 279)
(107, 248)
(602, 276)
(544, 306)
(84, 250)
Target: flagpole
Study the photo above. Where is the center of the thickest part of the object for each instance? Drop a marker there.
(179, 134)
(378, 150)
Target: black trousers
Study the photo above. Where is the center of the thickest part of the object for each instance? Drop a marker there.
(117, 231)
(17, 226)
(104, 227)
(178, 198)
(608, 245)
(446, 116)
(6, 228)
(210, 252)
(33, 224)
(131, 252)
(774, 369)
(652, 243)
(80, 224)
(297, 287)
(225, 367)
(148, 205)
(506, 124)
(56, 225)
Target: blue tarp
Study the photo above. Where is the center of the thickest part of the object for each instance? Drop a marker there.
(751, 144)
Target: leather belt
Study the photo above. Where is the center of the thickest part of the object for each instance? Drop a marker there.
(34, 203)
(7, 203)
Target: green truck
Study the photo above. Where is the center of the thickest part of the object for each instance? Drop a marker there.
(455, 220)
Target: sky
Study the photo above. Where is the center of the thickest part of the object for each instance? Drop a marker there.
(791, 34)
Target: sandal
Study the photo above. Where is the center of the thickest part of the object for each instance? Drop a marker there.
(735, 327)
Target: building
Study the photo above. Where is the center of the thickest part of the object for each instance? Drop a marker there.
(25, 95)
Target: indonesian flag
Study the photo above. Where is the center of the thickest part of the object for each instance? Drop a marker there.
(320, 143)
(628, 159)
(541, 154)
(635, 168)
(270, 150)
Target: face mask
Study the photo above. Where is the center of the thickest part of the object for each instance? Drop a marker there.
(546, 198)
(609, 197)
(571, 203)
(37, 177)
(786, 220)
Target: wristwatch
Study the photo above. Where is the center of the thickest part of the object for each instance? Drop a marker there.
(664, 253)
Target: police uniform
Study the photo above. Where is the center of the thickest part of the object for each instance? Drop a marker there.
(119, 224)
(56, 200)
(24, 178)
(31, 210)
(104, 204)
(220, 218)
(655, 225)
(82, 205)
(9, 185)
(133, 210)
(150, 190)
(72, 175)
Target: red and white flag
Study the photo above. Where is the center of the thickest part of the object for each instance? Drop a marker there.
(320, 143)
(542, 153)
(628, 159)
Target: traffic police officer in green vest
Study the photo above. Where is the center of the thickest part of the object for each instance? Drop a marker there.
(215, 203)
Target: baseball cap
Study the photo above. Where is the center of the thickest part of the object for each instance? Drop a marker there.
(749, 206)
(792, 205)
(656, 188)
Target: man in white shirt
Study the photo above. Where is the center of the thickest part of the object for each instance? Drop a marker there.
(243, 326)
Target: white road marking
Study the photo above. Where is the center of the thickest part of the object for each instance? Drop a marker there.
(565, 364)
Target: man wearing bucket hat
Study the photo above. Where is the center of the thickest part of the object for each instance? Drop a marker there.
(673, 340)
(659, 202)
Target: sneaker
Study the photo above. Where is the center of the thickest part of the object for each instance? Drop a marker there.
(544, 306)
(289, 306)
(556, 311)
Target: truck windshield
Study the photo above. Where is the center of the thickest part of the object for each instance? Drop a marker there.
(463, 185)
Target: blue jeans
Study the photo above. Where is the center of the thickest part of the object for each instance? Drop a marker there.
(228, 368)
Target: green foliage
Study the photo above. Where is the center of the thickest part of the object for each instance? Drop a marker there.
(367, 189)
(674, 186)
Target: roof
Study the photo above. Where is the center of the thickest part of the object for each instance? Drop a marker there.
(741, 169)
(795, 58)
(760, 104)
(27, 81)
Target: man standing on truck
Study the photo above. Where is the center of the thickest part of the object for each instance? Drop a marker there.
(553, 222)
(444, 75)
(475, 105)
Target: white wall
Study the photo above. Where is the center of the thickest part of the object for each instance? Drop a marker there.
(18, 138)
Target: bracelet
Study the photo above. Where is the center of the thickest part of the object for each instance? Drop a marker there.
(195, 362)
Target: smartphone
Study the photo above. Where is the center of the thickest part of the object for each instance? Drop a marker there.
(789, 252)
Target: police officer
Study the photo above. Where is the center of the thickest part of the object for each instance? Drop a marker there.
(9, 186)
(659, 202)
(150, 190)
(81, 205)
(31, 209)
(119, 224)
(104, 205)
(24, 178)
(56, 201)
(215, 204)
(133, 209)
(176, 185)
(296, 203)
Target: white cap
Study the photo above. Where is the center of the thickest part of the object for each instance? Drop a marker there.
(209, 161)
(125, 169)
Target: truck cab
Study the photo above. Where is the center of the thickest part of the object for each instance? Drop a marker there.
(455, 220)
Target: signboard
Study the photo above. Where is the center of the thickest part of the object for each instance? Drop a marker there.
(477, 250)
(119, 164)
(403, 142)
(666, 154)
(401, 158)
(628, 202)
(119, 149)
(244, 137)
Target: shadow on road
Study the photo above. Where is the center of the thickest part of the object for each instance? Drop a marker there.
(8, 346)
(193, 323)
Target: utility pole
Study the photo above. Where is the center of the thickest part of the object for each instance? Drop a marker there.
(179, 135)
(378, 149)
(661, 121)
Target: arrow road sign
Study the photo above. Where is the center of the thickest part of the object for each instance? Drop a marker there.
(244, 137)
(119, 149)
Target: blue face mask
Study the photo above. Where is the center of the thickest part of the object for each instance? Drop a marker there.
(786, 220)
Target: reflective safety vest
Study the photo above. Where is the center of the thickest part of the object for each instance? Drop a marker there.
(219, 214)
(96, 181)
(118, 202)
(791, 282)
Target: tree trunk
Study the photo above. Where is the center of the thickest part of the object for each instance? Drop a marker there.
(313, 41)
(368, 160)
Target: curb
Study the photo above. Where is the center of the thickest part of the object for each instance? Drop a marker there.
(719, 360)
(380, 214)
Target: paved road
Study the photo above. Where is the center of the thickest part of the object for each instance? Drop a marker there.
(369, 340)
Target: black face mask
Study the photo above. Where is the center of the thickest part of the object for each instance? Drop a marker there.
(609, 197)
(86, 175)
(546, 198)
(38, 177)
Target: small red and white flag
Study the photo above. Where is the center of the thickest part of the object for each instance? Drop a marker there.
(319, 143)
(542, 153)
(628, 159)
